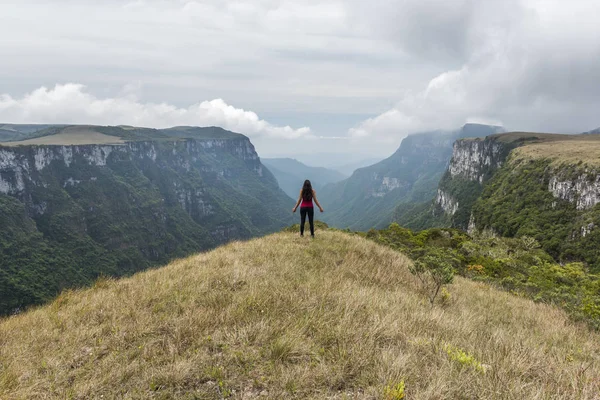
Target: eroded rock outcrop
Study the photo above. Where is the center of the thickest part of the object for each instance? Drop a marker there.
(446, 202)
(473, 159)
(582, 190)
(23, 165)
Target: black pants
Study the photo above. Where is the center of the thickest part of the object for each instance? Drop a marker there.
(311, 214)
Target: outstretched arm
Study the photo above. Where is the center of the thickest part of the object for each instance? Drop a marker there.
(317, 201)
(298, 202)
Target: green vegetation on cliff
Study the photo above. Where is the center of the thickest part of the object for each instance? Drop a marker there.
(372, 195)
(517, 202)
(519, 265)
(546, 186)
(283, 317)
(70, 214)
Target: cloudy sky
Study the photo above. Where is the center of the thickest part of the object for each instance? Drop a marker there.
(297, 76)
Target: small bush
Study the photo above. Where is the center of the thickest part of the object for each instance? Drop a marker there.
(520, 265)
(464, 358)
(445, 297)
(394, 392)
(433, 270)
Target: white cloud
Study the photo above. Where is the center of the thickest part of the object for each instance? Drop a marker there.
(72, 104)
(410, 64)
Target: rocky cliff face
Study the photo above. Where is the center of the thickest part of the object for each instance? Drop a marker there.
(382, 185)
(79, 211)
(488, 187)
(472, 159)
(446, 202)
(473, 162)
(466, 159)
(371, 196)
(583, 189)
(477, 161)
(22, 166)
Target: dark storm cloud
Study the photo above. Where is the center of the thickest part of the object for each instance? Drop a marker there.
(527, 64)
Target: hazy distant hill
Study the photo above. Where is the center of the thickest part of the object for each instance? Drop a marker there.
(291, 173)
(594, 131)
(346, 163)
(13, 132)
(369, 197)
(349, 168)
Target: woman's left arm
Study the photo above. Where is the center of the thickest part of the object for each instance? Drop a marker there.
(317, 201)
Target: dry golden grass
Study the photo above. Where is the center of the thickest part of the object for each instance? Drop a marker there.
(287, 317)
(542, 137)
(570, 151)
(74, 135)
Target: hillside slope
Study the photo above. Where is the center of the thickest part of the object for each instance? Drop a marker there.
(369, 197)
(526, 184)
(72, 212)
(282, 317)
(291, 173)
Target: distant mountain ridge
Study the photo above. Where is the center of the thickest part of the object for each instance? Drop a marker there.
(370, 196)
(346, 163)
(14, 132)
(73, 212)
(349, 168)
(291, 173)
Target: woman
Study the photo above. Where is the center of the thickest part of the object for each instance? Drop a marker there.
(307, 195)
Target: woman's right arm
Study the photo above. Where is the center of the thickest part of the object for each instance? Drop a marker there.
(298, 202)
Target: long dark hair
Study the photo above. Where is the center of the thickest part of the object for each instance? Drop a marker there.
(307, 193)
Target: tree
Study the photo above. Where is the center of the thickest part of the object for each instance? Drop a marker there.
(434, 270)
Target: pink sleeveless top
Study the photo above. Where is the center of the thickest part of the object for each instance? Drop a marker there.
(306, 203)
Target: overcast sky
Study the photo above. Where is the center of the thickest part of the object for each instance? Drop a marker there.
(296, 76)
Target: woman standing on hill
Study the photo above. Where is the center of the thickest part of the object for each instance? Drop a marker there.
(307, 195)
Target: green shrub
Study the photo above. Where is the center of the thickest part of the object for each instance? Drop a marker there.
(518, 265)
(394, 392)
(433, 270)
(464, 358)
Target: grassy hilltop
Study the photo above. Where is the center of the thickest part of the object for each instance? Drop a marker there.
(286, 317)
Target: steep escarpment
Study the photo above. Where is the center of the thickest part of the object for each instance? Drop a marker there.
(70, 213)
(371, 196)
(555, 203)
(544, 186)
(473, 162)
(581, 189)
